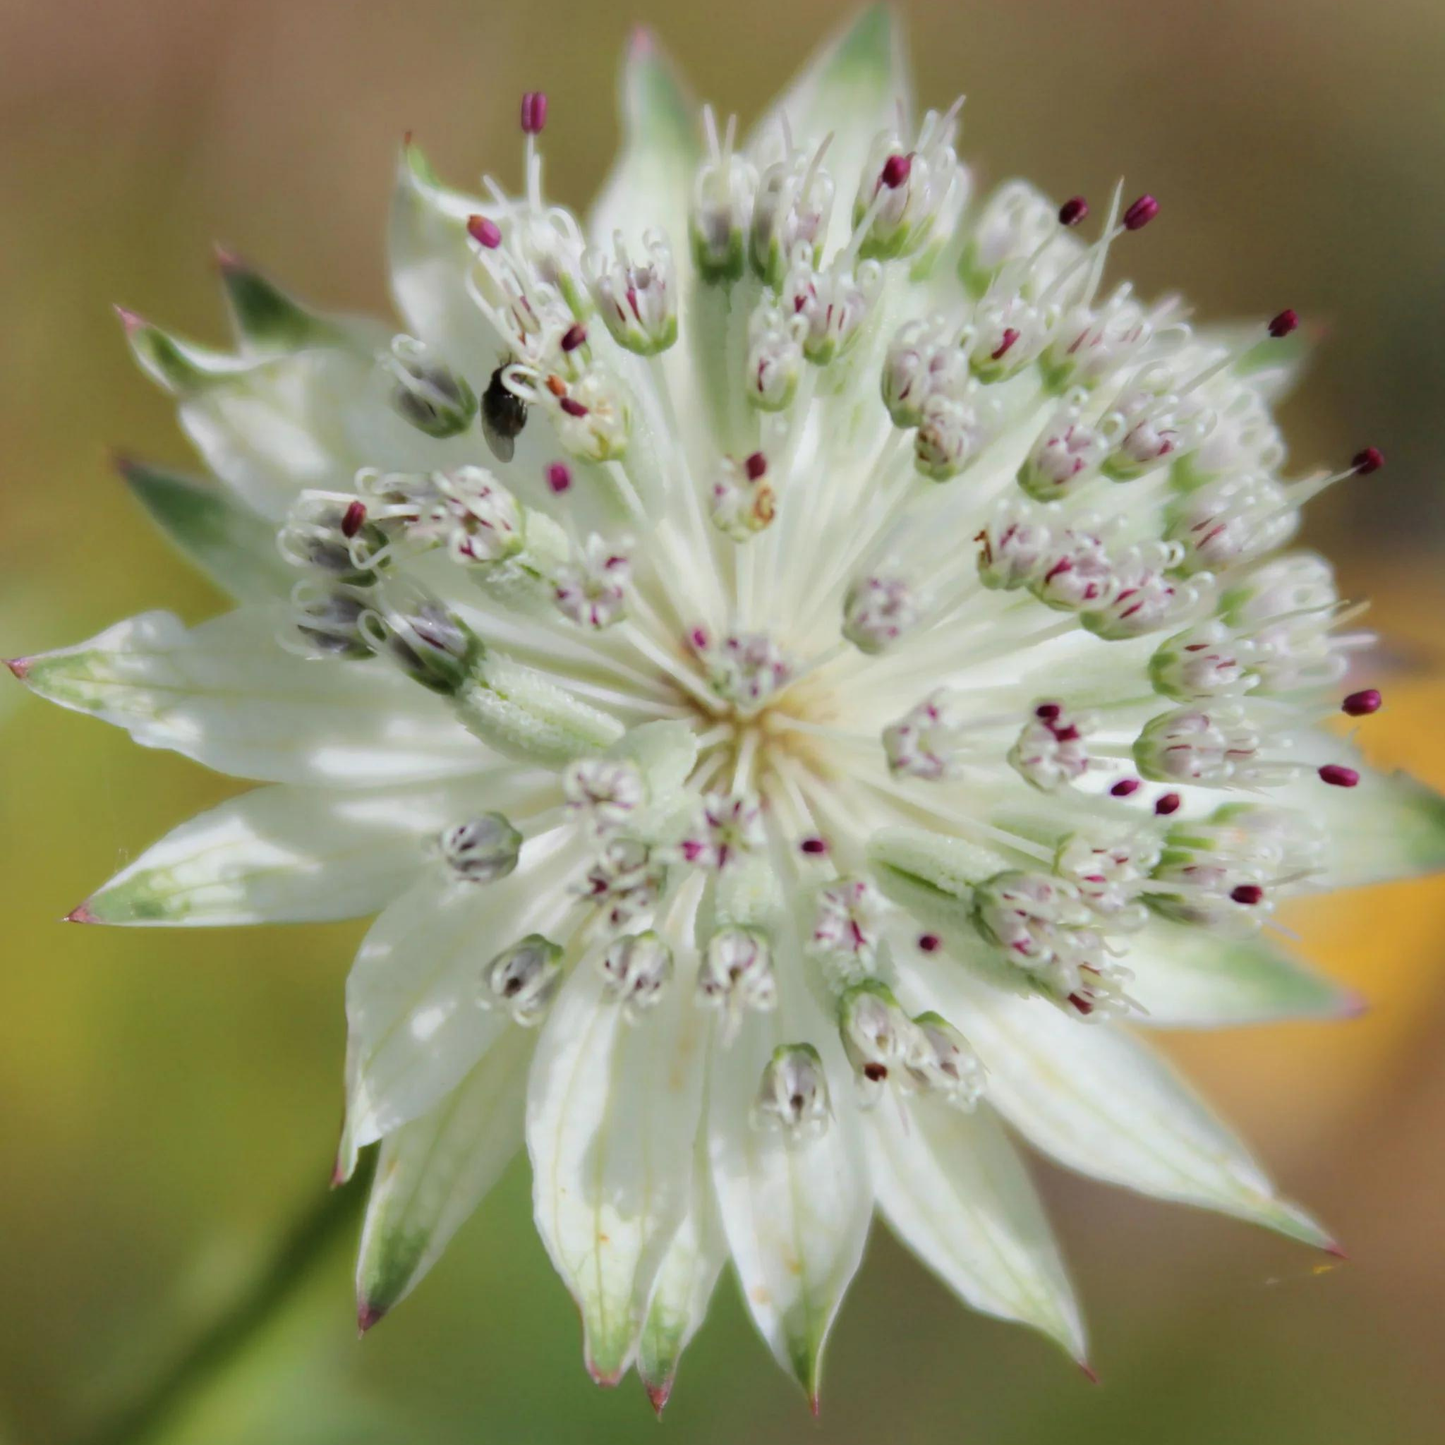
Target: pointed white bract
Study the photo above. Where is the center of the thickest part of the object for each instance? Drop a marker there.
(799, 666)
(612, 1113)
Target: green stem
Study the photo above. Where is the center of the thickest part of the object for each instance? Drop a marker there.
(295, 1260)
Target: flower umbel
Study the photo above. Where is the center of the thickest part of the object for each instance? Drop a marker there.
(803, 675)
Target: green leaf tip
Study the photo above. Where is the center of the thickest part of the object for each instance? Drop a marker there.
(875, 35)
(265, 316)
(232, 545)
(654, 99)
(179, 367)
(416, 165)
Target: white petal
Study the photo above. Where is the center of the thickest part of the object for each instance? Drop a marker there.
(273, 424)
(309, 420)
(430, 257)
(230, 696)
(612, 1113)
(433, 1172)
(795, 1216)
(665, 753)
(268, 426)
(268, 321)
(294, 855)
(685, 1282)
(415, 1026)
(1099, 1101)
(956, 1193)
(852, 88)
(651, 181)
(1186, 977)
(1391, 826)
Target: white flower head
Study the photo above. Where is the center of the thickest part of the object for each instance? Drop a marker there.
(793, 1095)
(591, 589)
(637, 969)
(636, 299)
(774, 363)
(924, 359)
(844, 794)
(791, 209)
(742, 502)
(1228, 871)
(625, 881)
(427, 392)
(1109, 877)
(726, 828)
(943, 1062)
(923, 742)
(745, 668)
(722, 205)
(604, 793)
(1047, 933)
(847, 931)
(831, 306)
(481, 850)
(1051, 751)
(523, 979)
(879, 1039)
(907, 191)
(736, 976)
(878, 611)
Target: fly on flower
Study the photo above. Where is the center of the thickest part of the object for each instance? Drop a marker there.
(805, 674)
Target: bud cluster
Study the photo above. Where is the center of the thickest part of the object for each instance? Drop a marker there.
(1049, 934)
(917, 1055)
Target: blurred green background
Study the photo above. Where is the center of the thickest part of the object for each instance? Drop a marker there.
(169, 1100)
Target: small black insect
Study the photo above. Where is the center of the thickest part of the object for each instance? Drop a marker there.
(504, 414)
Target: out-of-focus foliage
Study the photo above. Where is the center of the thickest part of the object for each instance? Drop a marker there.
(168, 1101)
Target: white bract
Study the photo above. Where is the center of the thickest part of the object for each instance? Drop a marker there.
(723, 642)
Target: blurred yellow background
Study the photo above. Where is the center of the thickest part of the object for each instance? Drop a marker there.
(169, 1100)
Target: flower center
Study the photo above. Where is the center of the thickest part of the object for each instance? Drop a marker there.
(770, 722)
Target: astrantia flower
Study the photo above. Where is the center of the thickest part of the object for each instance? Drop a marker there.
(795, 667)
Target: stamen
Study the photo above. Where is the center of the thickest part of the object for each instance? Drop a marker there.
(1275, 329)
(1093, 258)
(1362, 464)
(1140, 213)
(895, 171)
(354, 518)
(534, 112)
(1339, 776)
(1362, 704)
(484, 231)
